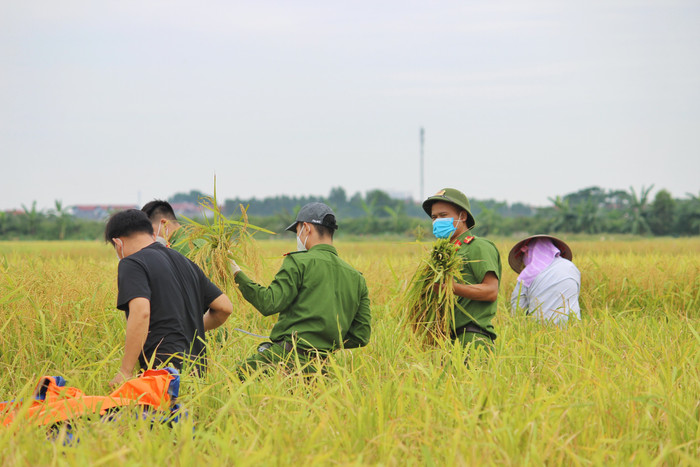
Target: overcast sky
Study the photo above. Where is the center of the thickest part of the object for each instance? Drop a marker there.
(126, 101)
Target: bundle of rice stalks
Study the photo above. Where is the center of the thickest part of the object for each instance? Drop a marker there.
(429, 303)
(217, 240)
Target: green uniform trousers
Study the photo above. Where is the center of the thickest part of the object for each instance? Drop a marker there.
(276, 355)
(481, 347)
(475, 339)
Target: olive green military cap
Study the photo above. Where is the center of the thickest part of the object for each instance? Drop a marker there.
(454, 196)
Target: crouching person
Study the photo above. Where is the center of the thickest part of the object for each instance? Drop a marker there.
(548, 284)
(322, 302)
(168, 301)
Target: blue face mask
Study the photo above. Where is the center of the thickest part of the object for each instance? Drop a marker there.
(443, 228)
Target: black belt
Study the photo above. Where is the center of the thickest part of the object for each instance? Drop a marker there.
(471, 327)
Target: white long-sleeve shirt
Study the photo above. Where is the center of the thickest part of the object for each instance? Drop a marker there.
(553, 295)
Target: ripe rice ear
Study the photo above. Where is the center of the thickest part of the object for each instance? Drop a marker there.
(217, 240)
(429, 302)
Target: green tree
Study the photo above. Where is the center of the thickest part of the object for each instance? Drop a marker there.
(489, 222)
(688, 215)
(379, 199)
(565, 219)
(62, 218)
(637, 212)
(4, 222)
(31, 219)
(592, 194)
(695, 212)
(192, 197)
(337, 197)
(662, 213)
(370, 218)
(588, 217)
(399, 220)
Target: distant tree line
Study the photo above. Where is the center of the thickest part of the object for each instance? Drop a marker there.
(57, 223)
(591, 210)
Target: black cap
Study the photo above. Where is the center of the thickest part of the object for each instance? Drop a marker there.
(315, 213)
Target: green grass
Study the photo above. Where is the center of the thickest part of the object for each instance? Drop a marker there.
(621, 387)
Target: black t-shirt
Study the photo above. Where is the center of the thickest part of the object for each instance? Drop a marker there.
(179, 293)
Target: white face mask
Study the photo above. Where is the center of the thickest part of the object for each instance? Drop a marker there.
(117, 250)
(163, 241)
(301, 246)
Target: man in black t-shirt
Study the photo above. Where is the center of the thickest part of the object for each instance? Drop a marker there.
(165, 297)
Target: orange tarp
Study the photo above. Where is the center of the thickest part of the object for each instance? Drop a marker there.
(64, 403)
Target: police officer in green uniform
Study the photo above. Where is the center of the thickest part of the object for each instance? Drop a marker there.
(322, 302)
(481, 273)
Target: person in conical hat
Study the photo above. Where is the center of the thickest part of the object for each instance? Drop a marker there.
(548, 283)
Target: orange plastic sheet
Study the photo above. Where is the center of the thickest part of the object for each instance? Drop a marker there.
(55, 403)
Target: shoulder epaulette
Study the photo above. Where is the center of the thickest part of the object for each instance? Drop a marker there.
(466, 241)
(294, 253)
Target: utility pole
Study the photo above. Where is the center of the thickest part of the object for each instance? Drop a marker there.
(421, 194)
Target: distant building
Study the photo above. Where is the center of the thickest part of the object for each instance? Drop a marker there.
(14, 212)
(98, 212)
(187, 209)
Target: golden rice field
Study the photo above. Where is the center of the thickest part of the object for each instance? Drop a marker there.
(621, 387)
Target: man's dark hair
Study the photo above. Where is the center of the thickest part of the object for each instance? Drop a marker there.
(328, 228)
(125, 223)
(159, 209)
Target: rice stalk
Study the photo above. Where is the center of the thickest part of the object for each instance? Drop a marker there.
(429, 302)
(217, 240)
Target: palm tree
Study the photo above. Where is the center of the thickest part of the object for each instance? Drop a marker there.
(31, 216)
(564, 219)
(369, 209)
(63, 218)
(397, 215)
(636, 214)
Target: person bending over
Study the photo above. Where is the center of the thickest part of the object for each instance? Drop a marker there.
(548, 283)
(168, 301)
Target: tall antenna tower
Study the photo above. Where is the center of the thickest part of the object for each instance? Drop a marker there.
(421, 194)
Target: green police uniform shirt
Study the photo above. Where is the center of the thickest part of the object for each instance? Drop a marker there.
(322, 301)
(480, 256)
